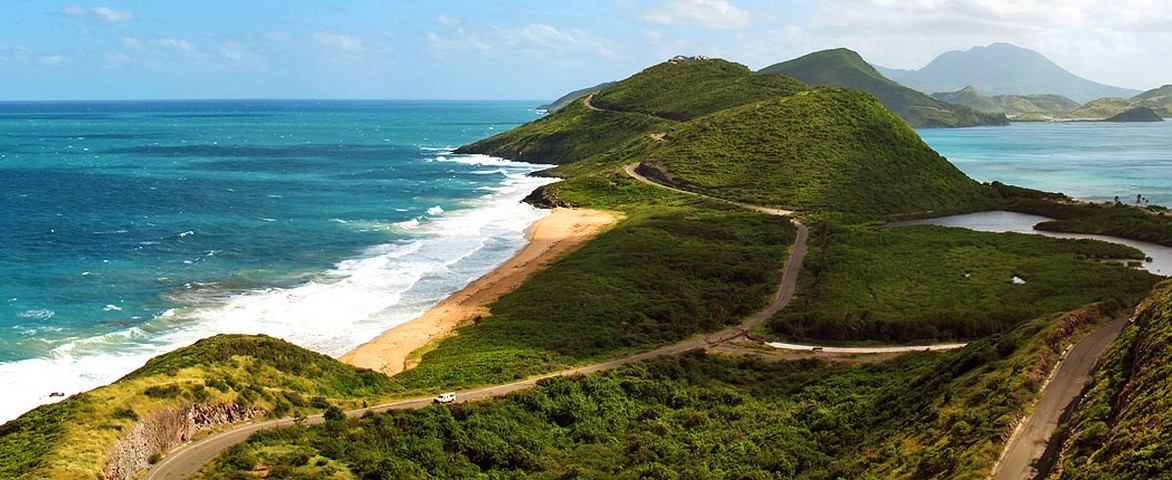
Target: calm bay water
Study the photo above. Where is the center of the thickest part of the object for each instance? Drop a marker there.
(1094, 161)
(134, 228)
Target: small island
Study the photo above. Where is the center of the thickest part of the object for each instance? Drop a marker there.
(1137, 114)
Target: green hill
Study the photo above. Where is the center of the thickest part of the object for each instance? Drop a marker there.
(1120, 430)
(645, 103)
(1101, 108)
(827, 149)
(570, 97)
(192, 389)
(1009, 104)
(1137, 114)
(1158, 99)
(845, 68)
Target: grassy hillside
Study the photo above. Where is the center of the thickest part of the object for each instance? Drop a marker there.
(1158, 99)
(569, 98)
(827, 149)
(926, 415)
(71, 439)
(845, 68)
(1041, 104)
(916, 284)
(645, 103)
(1137, 114)
(1120, 430)
(688, 89)
(1101, 108)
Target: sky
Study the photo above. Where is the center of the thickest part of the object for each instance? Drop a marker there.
(531, 50)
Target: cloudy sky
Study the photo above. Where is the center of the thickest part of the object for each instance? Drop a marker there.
(512, 49)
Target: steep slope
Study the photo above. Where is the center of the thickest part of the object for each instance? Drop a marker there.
(570, 97)
(828, 149)
(645, 103)
(1002, 68)
(1120, 431)
(1041, 104)
(115, 430)
(845, 68)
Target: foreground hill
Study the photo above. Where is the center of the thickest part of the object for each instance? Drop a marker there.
(113, 431)
(1120, 430)
(828, 149)
(1003, 69)
(845, 68)
(645, 103)
(1040, 104)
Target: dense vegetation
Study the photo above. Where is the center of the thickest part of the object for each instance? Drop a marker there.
(1120, 430)
(1152, 224)
(927, 415)
(1136, 114)
(1101, 108)
(925, 282)
(1041, 104)
(69, 439)
(827, 149)
(845, 68)
(684, 90)
(670, 270)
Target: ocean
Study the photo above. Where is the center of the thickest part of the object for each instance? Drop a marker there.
(133, 228)
(1088, 160)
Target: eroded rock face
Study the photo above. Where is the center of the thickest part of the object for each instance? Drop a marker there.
(167, 428)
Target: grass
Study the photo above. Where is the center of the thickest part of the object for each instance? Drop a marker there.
(924, 283)
(827, 149)
(70, 439)
(704, 416)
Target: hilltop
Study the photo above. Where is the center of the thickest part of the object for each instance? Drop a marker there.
(845, 68)
(647, 102)
(1159, 100)
(1003, 69)
(1039, 104)
(827, 149)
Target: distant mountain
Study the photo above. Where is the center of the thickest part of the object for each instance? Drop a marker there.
(845, 68)
(1041, 104)
(1003, 69)
(570, 97)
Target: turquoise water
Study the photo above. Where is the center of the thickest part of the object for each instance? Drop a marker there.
(1095, 161)
(134, 228)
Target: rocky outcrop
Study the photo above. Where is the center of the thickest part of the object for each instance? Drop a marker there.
(542, 197)
(167, 428)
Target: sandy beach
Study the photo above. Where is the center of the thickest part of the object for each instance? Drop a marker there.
(559, 232)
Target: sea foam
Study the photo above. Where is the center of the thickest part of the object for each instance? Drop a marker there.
(338, 310)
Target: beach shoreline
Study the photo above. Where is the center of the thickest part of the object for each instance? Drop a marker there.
(561, 231)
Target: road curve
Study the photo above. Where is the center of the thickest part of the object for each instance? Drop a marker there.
(187, 459)
(1029, 441)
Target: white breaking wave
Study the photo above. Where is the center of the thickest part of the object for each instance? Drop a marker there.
(345, 307)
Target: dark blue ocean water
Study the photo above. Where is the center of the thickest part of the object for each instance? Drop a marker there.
(133, 228)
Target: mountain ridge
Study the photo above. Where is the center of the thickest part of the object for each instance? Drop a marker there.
(1003, 69)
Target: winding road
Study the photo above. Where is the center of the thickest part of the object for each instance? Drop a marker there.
(187, 459)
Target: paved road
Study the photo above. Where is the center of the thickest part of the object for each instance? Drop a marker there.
(1074, 372)
(185, 460)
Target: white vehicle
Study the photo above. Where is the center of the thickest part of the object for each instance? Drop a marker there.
(445, 398)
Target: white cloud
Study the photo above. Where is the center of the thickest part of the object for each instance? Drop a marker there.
(177, 45)
(101, 14)
(446, 20)
(703, 13)
(537, 41)
(337, 41)
(109, 15)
